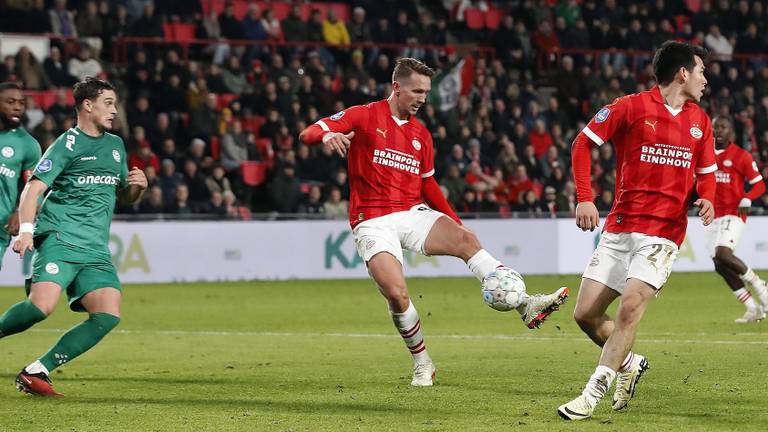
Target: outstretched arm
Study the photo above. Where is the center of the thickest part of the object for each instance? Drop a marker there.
(434, 197)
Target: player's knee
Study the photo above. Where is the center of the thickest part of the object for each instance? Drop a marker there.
(584, 319)
(468, 241)
(46, 306)
(105, 321)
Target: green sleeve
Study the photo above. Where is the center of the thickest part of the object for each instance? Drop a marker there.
(31, 154)
(54, 162)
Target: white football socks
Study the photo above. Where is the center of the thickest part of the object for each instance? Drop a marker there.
(409, 326)
(599, 383)
(745, 297)
(482, 264)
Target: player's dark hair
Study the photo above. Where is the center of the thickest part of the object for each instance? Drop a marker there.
(672, 56)
(9, 85)
(90, 89)
(406, 66)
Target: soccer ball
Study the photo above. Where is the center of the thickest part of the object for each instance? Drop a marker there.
(502, 289)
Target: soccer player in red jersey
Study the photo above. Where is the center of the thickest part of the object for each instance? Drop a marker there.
(735, 167)
(663, 141)
(396, 204)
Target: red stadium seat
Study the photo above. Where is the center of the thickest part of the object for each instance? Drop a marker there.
(183, 32)
(215, 147)
(253, 173)
(493, 18)
(225, 99)
(474, 18)
(168, 31)
(264, 146)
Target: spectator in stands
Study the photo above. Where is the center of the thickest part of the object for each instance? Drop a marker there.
(358, 28)
(235, 145)
(566, 200)
(605, 201)
(313, 202)
(336, 207)
(62, 20)
(115, 23)
(90, 26)
(199, 194)
(217, 180)
(285, 190)
(180, 204)
(153, 201)
(46, 127)
(142, 114)
(233, 75)
(314, 27)
(204, 120)
(143, 157)
(169, 180)
(168, 151)
(61, 109)
(30, 71)
(149, 24)
(293, 25)
(54, 69)
(34, 115)
(548, 204)
(272, 25)
(84, 65)
(721, 46)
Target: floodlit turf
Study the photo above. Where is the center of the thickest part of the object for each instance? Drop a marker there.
(323, 355)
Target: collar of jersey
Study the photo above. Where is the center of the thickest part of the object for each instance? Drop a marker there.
(657, 97)
(82, 132)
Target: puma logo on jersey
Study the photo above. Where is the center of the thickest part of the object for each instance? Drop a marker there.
(651, 124)
(382, 132)
(88, 158)
(70, 142)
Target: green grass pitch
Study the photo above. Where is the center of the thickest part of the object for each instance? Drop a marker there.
(324, 356)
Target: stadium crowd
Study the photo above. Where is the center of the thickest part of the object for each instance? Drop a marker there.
(215, 126)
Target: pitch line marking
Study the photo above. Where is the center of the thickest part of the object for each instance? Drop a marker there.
(395, 336)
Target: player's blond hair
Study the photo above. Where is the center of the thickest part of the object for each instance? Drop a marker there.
(406, 66)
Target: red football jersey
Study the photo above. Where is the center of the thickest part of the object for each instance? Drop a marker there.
(658, 151)
(386, 160)
(735, 166)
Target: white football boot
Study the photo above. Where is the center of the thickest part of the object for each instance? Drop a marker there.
(626, 382)
(751, 316)
(540, 306)
(423, 374)
(580, 408)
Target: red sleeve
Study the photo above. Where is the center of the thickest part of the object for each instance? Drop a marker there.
(752, 175)
(706, 186)
(581, 162)
(427, 156)
(353, 118)
(434, 197)
(706, 162)
(607, 121)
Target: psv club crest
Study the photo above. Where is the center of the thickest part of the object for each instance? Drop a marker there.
(416, 144)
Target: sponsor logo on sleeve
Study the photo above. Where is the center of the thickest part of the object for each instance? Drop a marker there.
(602, 115)
(44, 166)
(337, 116)
(8, 152)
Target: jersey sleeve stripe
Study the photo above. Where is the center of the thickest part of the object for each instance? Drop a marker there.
(323, 125)
(756, 179)
(707, 170)
(593, 136)
(428, 174)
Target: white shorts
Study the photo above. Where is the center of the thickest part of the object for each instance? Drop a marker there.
(394, 232)
(620, 256)
(724, 231)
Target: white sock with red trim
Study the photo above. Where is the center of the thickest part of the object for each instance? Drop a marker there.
(745, 297)
(627, 363)
(409, 326)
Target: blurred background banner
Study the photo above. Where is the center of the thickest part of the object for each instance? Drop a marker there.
(229, 251)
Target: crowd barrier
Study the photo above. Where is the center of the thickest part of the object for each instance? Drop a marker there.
(146, 252)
